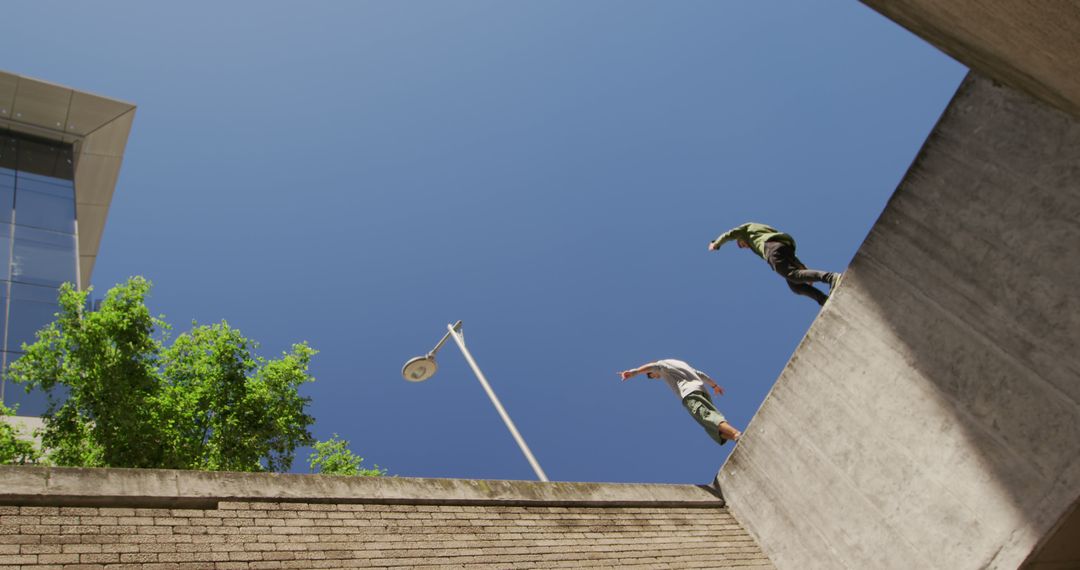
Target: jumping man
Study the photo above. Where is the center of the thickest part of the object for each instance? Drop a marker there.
(778, 250)
(689, 385)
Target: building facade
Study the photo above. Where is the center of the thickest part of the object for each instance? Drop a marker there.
(60, 155)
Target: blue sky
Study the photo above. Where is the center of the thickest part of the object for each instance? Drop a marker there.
(360, 174)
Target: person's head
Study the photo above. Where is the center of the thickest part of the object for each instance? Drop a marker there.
(742, 244)
(652, 374)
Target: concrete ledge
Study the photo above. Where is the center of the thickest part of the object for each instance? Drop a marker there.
(54, 486)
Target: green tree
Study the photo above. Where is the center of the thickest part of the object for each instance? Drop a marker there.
(15, 449)
(203, 402)
(333, 457)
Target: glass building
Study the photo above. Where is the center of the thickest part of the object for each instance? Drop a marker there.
(60, 155)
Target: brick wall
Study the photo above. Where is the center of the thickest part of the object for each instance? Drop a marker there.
(159, 519)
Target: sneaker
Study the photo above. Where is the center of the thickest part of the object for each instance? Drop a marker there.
(834, 281)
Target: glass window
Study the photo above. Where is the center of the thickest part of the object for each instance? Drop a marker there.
(7, 197)
(33, 404)
(5, 255)
(44, 158)
(31, 309)
(43, 205)
(24, 175)
(43, 257)
(7, 153)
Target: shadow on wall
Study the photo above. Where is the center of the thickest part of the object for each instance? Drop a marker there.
(974, 268)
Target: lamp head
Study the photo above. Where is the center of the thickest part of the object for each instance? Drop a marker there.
(420, 368)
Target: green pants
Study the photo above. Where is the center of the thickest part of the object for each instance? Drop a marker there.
(700, 406)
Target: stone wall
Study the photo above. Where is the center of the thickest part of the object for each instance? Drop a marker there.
(83, 518)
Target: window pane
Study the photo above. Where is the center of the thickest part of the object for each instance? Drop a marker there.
(43, 205)
(31, 309)
(33, 404)
(7, 153)
(43, 257)
(7, 197)
(5, 255)
(44, 158)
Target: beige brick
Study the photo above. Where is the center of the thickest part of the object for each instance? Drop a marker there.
(120, 529)
(40, 548)
(14, 559)
(19, 519)
(58, 558)
(99, 557)
(78, 511)
(195, 566)
(60, 538)
(79, 529)
(118, 548)
(188, 513)
(28, 510)
(139, 557)
(15, 548)
(157, 547)
(155, 530)
(171, 521)
(97, 520)
(176, 557)
(40, 529)
(79, 548)
(190, 529)
(60, 520)
(153, 512)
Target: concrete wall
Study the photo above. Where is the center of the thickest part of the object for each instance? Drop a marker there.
(121, 518)
(1033, 46)
(930, 417)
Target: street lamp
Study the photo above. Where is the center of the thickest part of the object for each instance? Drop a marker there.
(423, 367)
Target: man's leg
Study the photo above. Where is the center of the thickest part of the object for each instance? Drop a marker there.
(729, 432)
(808, 291)
(781, 257)
(707, 416)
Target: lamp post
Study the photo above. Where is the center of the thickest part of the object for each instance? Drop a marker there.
(423, 367)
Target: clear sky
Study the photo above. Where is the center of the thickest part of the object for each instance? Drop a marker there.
(359, 174)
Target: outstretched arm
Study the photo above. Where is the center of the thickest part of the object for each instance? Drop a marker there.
(628, 374)
(716, 389)
(738, 232)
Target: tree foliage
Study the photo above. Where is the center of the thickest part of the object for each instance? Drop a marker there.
(333, 457)
(15, 449)
(205, 401)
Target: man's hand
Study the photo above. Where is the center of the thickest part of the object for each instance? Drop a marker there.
(627, 374)
(713, 246)
(716, 389)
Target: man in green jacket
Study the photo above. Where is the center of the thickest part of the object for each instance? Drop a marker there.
(778, 250)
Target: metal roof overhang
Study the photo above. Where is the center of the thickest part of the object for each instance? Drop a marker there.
(98, 129)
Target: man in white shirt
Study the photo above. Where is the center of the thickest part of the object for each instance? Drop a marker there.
(688, 384)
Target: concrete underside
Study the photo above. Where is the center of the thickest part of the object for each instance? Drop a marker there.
(181, 520)
(1033, 46)
(930, 417)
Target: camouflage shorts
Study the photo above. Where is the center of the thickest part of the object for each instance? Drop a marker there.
(700, 406)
